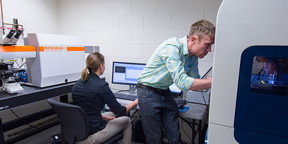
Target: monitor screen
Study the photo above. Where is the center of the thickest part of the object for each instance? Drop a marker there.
(126, 73)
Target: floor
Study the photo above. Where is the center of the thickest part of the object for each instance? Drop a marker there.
(44, 137)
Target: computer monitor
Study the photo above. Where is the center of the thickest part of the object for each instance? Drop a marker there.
(126, 73)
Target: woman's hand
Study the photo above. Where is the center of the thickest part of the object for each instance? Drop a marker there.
(107, 118)
(131, 105)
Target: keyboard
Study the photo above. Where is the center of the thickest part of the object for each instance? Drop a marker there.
(125, 96)
(180, 102)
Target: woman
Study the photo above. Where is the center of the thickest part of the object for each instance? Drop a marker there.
(92, 93)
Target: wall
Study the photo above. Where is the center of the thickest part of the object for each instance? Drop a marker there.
(130, 30)
(39, 16)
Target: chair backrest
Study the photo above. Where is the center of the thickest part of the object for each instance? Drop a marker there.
(73, 121)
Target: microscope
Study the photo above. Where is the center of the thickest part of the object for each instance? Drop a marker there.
(9, 79)
(9, 35)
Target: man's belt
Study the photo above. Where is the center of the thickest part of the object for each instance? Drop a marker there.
(157, 90)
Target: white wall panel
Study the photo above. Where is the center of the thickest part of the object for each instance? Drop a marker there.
(156, 36)
(82, 24)
(211, 15)
(209, 4)
(122, 51)
(147, 51)
(119, 8)
(78, 8)
(159, 21)
(186, 18)
(173, 5)
(131, 22)
(144, 7)
(35, 15)
(204, 66)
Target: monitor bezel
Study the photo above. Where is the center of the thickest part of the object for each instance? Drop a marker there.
(113, 66)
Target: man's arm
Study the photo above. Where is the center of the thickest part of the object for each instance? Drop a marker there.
(200, 84)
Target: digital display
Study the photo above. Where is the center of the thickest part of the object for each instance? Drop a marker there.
(270, 75)
(126, 73)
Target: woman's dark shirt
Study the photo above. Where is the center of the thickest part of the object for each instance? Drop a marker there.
(92, 95)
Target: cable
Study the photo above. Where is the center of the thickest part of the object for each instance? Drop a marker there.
(17, 63)
(25, 122)
(121, 91)
(257, 75)
(204, 98)
(198, 104)
(20, 66)
(134, 114)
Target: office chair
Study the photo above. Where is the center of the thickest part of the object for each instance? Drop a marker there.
(74, 123)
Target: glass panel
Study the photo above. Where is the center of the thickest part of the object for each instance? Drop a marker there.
(270, 75)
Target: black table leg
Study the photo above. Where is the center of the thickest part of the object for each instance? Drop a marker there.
(1, 132)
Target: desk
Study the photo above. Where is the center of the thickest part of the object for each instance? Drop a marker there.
(197, 115)
(194, 116)
(30, 94)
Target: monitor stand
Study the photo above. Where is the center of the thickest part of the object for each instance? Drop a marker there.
(133, 89)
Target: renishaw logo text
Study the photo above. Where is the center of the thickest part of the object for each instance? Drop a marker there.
(54, 48)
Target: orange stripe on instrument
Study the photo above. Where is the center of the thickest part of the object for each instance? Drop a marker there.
(17, 49)
(41, 48)
(75, 48)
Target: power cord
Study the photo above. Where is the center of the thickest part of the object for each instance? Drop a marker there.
(134, 113)
(25, 122)
(121, 91)
(204, 98)
(20, 66)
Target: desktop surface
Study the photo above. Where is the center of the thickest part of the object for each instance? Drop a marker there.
(131, 97)
(197, 97)
(126, 96)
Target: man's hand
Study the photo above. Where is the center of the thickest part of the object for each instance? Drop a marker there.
(200, 84)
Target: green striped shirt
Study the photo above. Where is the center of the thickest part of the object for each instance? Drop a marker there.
(170, 63)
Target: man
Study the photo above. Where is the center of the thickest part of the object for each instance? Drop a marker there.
(174, 61)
